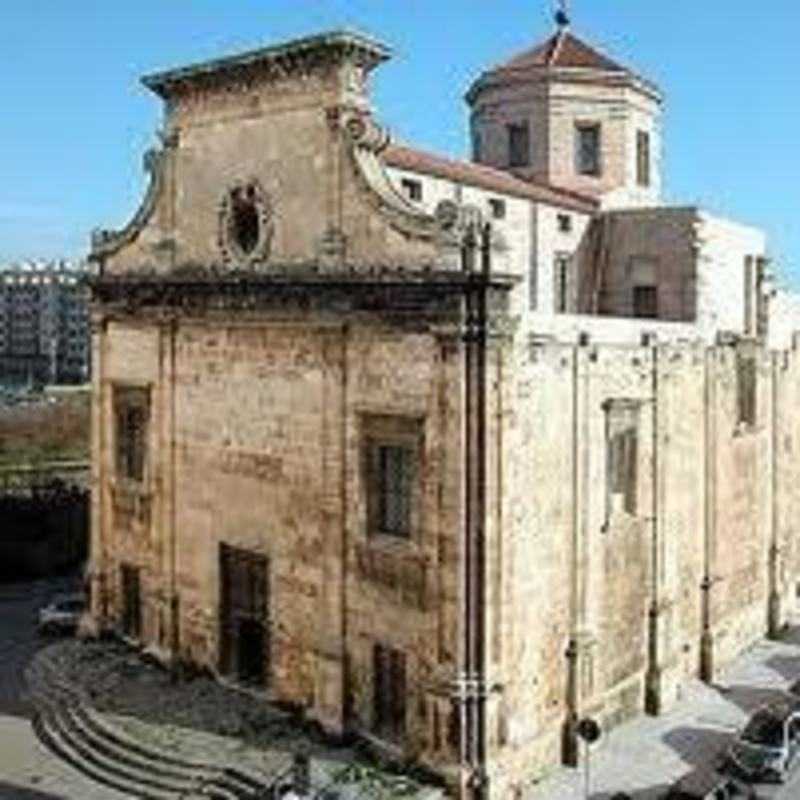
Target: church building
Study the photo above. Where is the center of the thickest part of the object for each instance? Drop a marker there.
(452, 454)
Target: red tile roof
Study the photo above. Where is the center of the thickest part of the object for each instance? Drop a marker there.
(494, 180)
(562, 50)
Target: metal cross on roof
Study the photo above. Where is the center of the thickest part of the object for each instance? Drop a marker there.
(562, 15)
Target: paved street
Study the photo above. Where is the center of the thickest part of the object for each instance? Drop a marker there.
(644, 757)
(27, 770)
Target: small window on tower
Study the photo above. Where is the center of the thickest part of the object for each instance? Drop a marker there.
(564, 223)
(476, 146)
(643, 158)
(587, 149)
(518, 145)
(645, 302)
(412, 189)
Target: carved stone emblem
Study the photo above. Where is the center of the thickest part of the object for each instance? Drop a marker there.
(246, 225)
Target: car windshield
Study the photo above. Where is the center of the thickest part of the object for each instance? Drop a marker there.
(764, 728)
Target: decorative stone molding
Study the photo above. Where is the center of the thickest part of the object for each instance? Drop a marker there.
(246, 225)
(366, 140)
(107, 242)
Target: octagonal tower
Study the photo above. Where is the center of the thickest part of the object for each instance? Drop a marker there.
(565, 114)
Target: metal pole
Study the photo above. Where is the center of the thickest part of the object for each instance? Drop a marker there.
(586, 770)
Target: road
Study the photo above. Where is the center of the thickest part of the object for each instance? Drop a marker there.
(27, 770)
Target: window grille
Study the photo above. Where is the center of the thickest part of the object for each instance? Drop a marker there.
(132, 416)
(746, 388)
(394, 492)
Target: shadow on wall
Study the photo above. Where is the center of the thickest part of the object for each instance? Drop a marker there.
(9, 791)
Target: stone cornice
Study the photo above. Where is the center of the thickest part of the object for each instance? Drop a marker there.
(417, 296)
(298, 56)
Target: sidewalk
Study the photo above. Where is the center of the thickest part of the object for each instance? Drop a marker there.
(645, 756)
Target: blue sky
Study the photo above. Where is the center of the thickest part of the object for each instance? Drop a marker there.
(75, 121)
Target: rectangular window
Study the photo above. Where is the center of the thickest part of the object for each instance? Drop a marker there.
(476, 146)
(394, 489)
(132, 413)
(562, 279)
(564, 223)
(645, 302)
(518, 145)
(622, 455)
(391, 456)
(643, 158)
(412, 189)
(389, 693)
(746, 389)
(587, 149)
(497, 207)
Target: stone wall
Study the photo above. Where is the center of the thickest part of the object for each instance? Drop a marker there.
(616, 604)
(256, 441)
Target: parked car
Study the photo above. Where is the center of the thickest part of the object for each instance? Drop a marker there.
(768, 744)
(61, 614)
(708, 784)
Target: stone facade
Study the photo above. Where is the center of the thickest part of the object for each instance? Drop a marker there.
(342, 441)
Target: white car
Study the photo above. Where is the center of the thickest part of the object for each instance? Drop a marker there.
(62, 614)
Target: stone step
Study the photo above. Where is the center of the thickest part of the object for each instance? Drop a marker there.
(54, 687)
(97, 742)
(53, 742)
(237, 785)
(56, 722)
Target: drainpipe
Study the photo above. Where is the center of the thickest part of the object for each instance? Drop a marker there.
(653, 676)
(472, 680)
(707, 634)
(774, 602)
(174, 603)
(569, 745)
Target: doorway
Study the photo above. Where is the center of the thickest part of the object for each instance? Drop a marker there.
(244, 615)
(131, 601)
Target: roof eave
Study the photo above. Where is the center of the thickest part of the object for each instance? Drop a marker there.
(372, 51)
(501, 77)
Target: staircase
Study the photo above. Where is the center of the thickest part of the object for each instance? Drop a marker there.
(68, 726)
